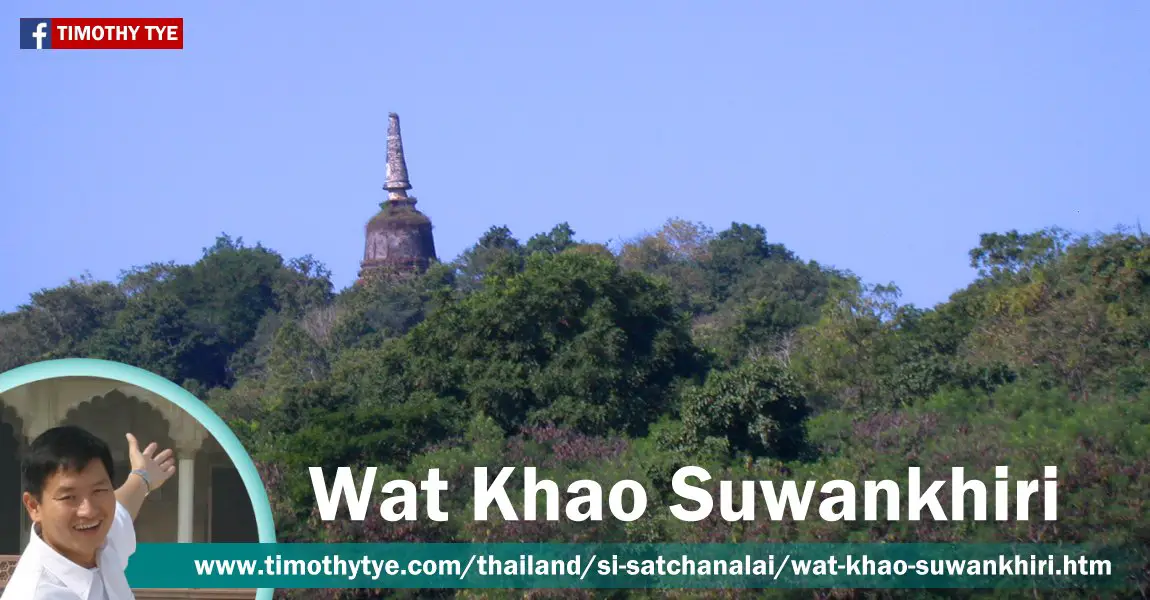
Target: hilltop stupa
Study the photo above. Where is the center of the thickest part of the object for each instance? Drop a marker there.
(398, 238)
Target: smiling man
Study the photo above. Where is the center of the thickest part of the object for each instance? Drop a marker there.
(83, 529)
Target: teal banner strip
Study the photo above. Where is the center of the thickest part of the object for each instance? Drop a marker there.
(526, 566)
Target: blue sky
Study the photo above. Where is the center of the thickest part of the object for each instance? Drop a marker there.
(883, 138)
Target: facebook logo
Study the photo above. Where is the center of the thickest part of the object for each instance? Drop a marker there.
(35, 34)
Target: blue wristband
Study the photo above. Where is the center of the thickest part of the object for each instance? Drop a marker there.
(144, 476)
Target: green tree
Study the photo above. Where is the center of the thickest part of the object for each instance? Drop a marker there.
(675, 253)
(496, 253)
(848, 356)
(296, 358)
(1077, 322)
(560, 238)
(571, 339)
(365, 316)
(57, 322)
(154, 332)
(1013, 253)
(757, 408)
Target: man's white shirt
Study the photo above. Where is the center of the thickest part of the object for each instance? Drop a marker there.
(44, 574)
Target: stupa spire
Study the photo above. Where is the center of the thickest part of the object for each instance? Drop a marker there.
(398, 238)
(397, 182)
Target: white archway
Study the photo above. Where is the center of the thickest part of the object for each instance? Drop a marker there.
(11, 508)
(110, 416)
(181, 511)
(226, 521)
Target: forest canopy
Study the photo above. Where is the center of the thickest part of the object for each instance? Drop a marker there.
(680, 347)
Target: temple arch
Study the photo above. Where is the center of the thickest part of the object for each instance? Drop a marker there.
(222, 498)
(110, 417)
(184, 510)
(11, 508)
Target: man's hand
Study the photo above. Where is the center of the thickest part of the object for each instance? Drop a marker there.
(159, 467)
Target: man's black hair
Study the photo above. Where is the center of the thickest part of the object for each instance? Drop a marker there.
(68, 448)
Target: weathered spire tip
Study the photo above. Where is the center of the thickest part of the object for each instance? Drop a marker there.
(397, 181)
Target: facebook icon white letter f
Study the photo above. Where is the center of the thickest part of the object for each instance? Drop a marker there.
(40, 34)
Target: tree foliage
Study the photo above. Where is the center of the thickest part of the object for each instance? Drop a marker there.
(682, 346)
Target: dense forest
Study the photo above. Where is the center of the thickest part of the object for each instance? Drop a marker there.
(679, 347)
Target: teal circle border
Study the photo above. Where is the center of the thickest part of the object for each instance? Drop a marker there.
(90, 367)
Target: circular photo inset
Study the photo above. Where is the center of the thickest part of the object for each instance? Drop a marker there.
(80, 457)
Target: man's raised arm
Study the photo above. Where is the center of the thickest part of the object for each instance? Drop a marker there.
(149, 472)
